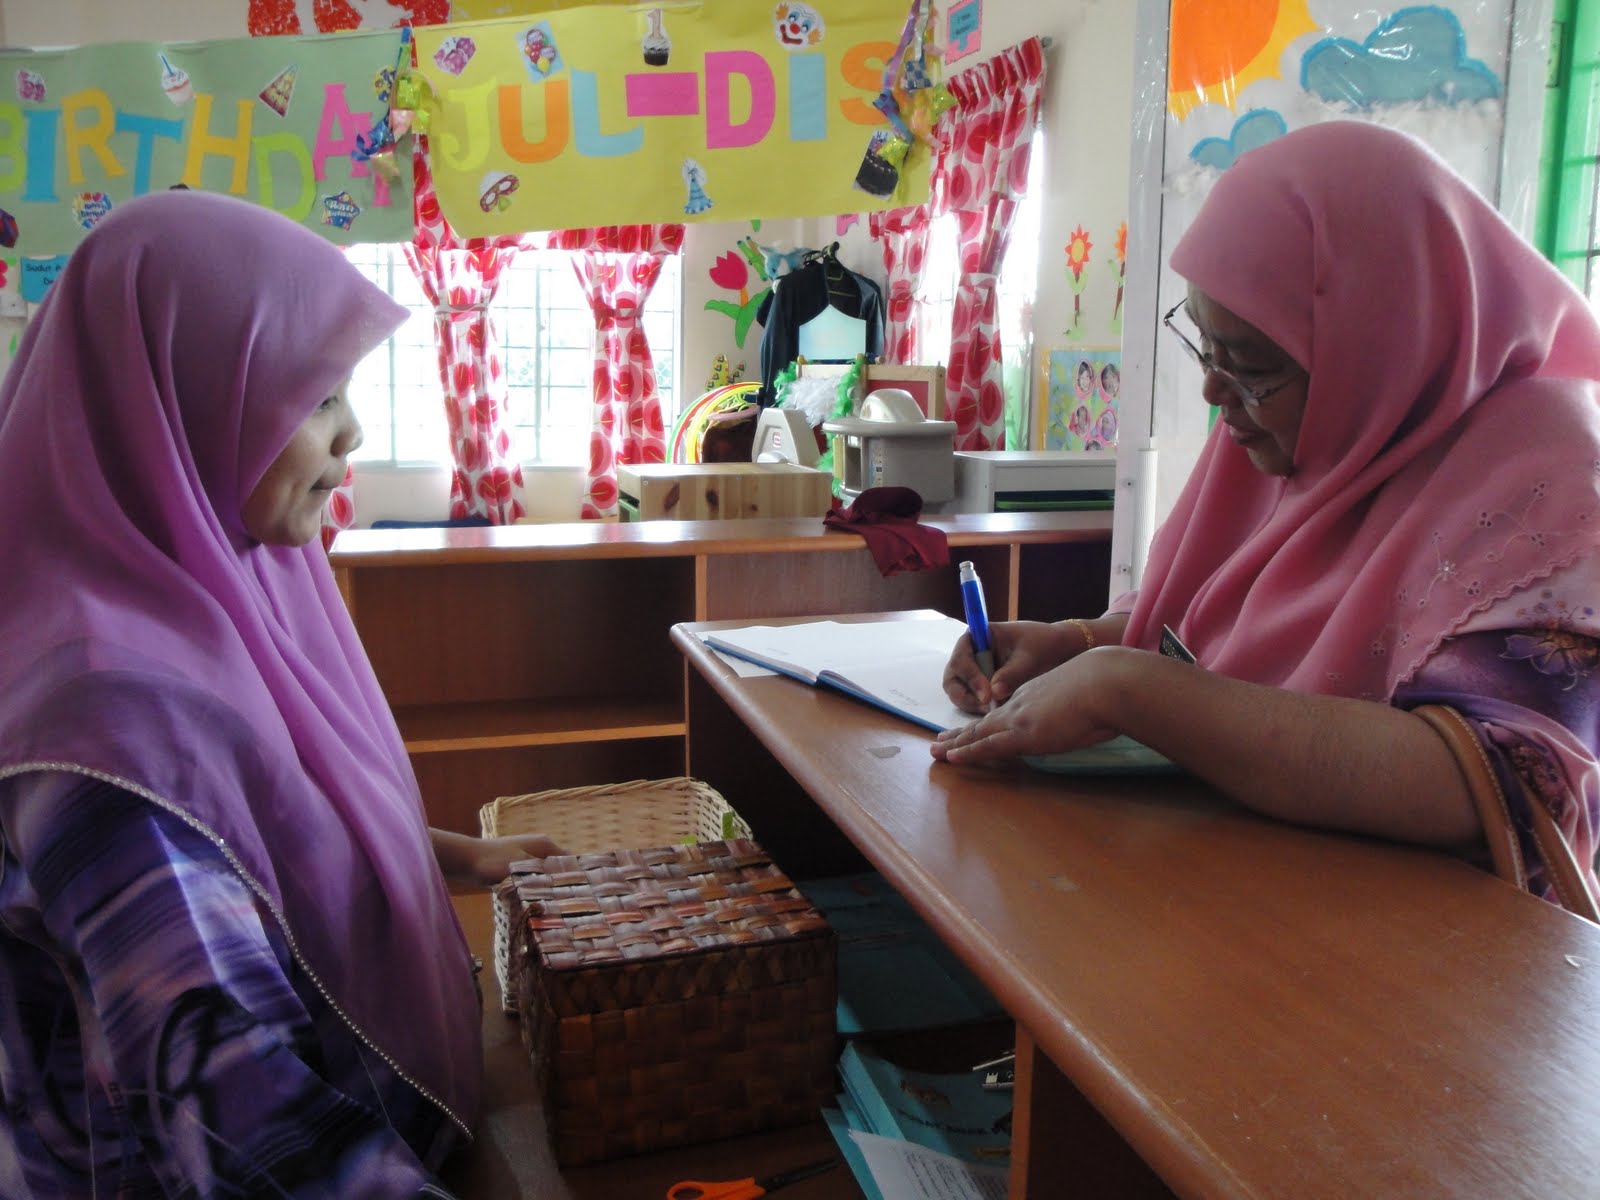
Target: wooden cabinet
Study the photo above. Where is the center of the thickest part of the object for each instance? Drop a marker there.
(527, 657)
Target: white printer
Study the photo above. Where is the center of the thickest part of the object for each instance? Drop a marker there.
(1034, 480)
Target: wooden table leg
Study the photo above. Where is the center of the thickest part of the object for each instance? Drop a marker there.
(1062, 1146)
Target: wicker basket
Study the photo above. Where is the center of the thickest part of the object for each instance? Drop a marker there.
(672, 996)
(607, 816)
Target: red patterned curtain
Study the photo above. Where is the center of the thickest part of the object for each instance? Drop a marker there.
(459, 278)
(981, 175)
(617, 266)
(904, 233)
(981, 172)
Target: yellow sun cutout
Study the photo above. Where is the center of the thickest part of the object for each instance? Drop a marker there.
(1220, 47)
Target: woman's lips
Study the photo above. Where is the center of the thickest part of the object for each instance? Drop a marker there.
(1242, 436)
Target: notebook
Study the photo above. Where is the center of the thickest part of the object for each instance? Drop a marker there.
(898, 666)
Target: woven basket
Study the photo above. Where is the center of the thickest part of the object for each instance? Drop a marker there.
(606, 816)
(671, 996)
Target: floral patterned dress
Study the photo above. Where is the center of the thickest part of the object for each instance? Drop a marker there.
(156, 1035)
(1524, 673)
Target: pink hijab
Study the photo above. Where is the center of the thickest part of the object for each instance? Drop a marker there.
(144, 637)
(1449, 453)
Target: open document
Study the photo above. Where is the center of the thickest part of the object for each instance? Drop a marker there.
(896, 665)
(899, 667)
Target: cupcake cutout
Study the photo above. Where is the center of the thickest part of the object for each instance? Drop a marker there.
(175, 83)
(877, 176)
(657, 45)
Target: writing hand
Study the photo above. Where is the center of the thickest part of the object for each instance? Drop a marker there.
(1022, 651)
(1052, 712)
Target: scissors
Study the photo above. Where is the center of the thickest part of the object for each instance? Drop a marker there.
(747, 1189)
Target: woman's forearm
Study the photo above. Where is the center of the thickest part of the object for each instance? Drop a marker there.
(1318, 760)
(456, 852)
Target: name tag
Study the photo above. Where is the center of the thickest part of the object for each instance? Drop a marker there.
(1172, 647)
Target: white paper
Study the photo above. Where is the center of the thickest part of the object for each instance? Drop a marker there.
(907, 1171)
(897, 664)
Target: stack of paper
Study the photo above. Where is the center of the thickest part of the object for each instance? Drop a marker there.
(911, 1133)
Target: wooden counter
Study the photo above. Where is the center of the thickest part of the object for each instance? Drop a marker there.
(525, 657)
(1210, 1003)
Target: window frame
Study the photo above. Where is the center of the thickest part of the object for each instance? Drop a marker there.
(542, 269)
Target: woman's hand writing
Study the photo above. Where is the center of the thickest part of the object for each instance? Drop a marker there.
(1023, 650)
(1052, 711)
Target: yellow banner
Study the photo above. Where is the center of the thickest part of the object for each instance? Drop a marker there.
(713, 111)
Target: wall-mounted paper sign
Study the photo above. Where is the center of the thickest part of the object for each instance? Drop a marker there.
(721, 110)
(964, 34)
(38, 274)
(270, 120)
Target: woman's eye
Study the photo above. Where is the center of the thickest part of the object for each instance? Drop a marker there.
(328, 403)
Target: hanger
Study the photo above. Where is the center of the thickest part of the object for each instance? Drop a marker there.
(840, 279)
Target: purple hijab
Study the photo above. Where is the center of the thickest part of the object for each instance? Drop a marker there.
(144, 637)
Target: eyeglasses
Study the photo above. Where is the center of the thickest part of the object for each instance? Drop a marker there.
(1251, 394)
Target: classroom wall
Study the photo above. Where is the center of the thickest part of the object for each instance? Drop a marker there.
(1087, 104)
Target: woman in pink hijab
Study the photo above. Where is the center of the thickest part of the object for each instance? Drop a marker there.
(1399, 505)
(229, 963)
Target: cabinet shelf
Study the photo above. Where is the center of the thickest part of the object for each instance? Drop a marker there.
(524, 657)
(499, 724)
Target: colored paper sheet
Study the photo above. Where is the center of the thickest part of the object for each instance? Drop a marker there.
(717, 111)
(270, 120)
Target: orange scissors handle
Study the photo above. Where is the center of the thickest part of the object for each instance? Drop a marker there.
(732, 1189)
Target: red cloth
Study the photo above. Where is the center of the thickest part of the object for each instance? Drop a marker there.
(887, 518)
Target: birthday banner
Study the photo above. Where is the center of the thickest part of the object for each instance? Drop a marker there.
(713, 111)
(270, 120)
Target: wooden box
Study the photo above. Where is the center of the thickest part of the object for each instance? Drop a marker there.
(712, 491)
(672, 996)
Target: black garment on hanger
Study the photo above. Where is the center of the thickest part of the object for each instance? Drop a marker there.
(800, 296)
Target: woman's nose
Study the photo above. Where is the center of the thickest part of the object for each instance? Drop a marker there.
(1217, 389)
(350, 437)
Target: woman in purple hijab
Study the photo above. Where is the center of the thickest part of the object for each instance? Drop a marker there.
(229, 963)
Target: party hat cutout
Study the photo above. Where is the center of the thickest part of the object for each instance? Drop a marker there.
(277, 94)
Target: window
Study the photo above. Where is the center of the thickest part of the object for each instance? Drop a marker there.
(1018, 281)
(547, 349)
(1569, 203)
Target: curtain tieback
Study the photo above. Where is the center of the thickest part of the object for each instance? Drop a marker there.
(450, 310)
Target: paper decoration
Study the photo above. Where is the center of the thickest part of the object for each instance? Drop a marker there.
(1079, 407)
(278, 94)
(963, 30)
(124, 119)
(597, 130)
(272, 17)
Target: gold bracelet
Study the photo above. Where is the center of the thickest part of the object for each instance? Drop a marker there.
(1082, 627)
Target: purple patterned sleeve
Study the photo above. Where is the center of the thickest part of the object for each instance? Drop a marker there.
(1532, 697)
(156, 1036)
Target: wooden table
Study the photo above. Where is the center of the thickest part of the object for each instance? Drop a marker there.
(1209, 1003)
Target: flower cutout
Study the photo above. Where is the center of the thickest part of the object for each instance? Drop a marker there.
(1078, 247)
(730, 271)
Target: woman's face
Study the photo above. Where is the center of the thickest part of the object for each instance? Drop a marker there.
(1268, 429)
(285, 509)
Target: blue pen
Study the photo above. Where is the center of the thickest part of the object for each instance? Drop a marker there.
(977, 619)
